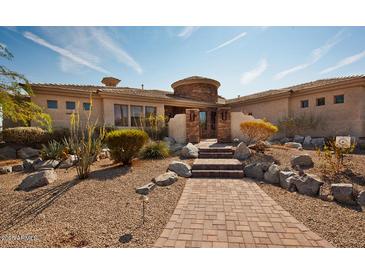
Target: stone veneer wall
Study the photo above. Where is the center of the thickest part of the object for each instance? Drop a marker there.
(224, 125)
(198, 91)
(192, 126)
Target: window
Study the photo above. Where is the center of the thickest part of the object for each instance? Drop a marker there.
(203, 119)
(304, 104)
(339, 99)
(136, 115)
(86, 106)
(52, 104)
(121, 115)
(149, 112)
(70, 105)
(321, 101)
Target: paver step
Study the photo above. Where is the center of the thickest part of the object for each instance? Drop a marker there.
(217, 149)
(217, 173)
(215, 155)
(217, 164)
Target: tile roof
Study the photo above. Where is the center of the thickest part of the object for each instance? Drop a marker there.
(299, 87)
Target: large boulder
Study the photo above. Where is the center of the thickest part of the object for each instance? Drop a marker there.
(189, 151)
(254, 171)
(242, 152)
(48, 164)
(17, 168)
(180, 168)
(38, 179)
(168, 178)
(318, 142)
(7, 153)
(260, 146)
(27, 153)
(272, 174)
(361, 200)
(303, 161)
(343, 193)
(307, 142)
(298, 139)
(5, 169)
(69, 162)
(308, 184)
(293, 145)
(291, 182)
(283, 175)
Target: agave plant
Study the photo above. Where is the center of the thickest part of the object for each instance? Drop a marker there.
(53, 151)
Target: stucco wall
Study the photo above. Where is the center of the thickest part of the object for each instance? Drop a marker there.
(339, 119)
(236, 119)
(61, 116)
(270, 110)
(177, 128)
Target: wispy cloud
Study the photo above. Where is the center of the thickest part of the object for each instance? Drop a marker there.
(239, 36)
(315, 56)
(64, 52)
(251, 75)
(186, 32)
(345, 62)
(108, 43)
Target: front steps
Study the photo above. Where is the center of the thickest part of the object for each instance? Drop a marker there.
(217, 168)
(216, 153)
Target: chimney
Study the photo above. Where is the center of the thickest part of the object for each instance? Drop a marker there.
(110, 81)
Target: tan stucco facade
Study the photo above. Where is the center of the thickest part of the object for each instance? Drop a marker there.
(347, 118)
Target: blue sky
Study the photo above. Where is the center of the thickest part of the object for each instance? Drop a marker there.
(244, 59)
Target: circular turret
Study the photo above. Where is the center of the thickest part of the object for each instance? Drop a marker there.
(197, 88)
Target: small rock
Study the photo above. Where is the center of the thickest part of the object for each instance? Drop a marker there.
(28, 164)
(38, 179)
(104, 154)
(293, 145)
(298, 139)
(169, 140)
(303, 161)
(27, 152)
(176, 147)
(260, 146)
(7, 153)
(166, 179)
(5, 169)
(272, 174)
(284, 140)
(265, 165)
(309, 185)
(146, 189)
(283, 175)
(343, 193)
(48, 164)
(254, 171)
(69, 162)
(242, 152)
(180, 168)
(307, 142)
(189, 151)
(17, 168)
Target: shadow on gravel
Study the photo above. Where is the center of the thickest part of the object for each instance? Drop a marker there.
(109, 173)
(21, 212)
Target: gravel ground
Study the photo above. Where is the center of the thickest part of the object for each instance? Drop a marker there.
(94, 212)
(341, 225)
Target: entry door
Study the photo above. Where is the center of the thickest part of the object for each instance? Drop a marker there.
(203, 122)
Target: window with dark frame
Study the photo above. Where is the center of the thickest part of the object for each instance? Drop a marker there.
(52, 104)
(86, 106)
(339, 99)
(304, 103)
(136, 115)
(121, 115)
(70, 105)
(321, 101)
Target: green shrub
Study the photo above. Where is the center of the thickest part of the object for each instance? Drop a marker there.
(25, 135)
(53, 151)
(124, 144)
(155, 150)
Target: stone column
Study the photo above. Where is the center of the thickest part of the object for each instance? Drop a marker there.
(192, 126)
(224, 125)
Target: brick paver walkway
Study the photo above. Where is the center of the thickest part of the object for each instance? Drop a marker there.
(233, 213)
